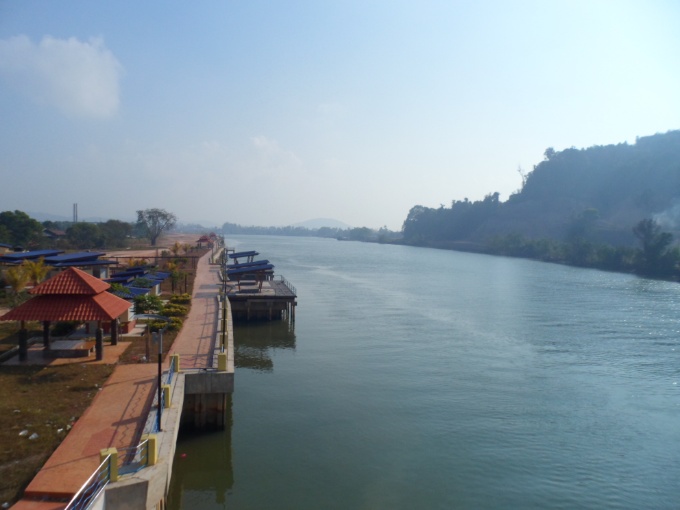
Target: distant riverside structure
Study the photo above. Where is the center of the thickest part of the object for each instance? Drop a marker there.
(253, 290)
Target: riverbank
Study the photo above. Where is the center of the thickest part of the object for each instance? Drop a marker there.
(45, 401)
(582, 254)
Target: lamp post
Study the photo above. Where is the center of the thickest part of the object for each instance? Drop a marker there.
(159, 338)
(224, 306)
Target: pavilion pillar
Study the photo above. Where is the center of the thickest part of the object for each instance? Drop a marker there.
(46, 335)
(99, 342)
(114, 332)
(23, 342)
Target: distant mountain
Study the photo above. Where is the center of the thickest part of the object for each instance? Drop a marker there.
(322, 222)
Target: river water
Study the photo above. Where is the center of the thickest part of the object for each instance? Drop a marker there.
(419, 378)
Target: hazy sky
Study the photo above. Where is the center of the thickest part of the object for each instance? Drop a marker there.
(275, 112)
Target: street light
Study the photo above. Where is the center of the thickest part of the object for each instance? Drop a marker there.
(159, 338)
(224, 305)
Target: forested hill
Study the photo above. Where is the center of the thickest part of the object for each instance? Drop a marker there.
(598, 194)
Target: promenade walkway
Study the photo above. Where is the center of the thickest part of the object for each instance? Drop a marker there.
(118, 414)
(196, 342)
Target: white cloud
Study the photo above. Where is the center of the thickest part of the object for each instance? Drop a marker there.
(79, 78)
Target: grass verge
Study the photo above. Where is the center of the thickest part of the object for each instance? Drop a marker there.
(38, 406)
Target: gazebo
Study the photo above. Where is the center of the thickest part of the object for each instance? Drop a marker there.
(72, 295)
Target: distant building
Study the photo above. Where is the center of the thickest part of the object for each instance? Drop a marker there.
(54, 234)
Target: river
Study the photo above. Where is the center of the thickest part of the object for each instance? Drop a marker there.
(416, 378)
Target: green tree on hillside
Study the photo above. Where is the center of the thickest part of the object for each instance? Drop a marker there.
(425, 225)
(655, 257)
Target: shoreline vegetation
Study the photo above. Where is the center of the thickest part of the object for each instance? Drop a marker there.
(656, 258)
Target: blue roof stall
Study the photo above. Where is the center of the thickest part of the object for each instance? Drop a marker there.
(130, 292)
(249, 255)
(157, 278)
(83, 258)
(259, 271)
(247, 264)
(136, 282)
(119, 279)
(131, 277)
(133, 271)
(239, 254)
(59, 259)
(19, 257)
(251, 269)
(72, 257)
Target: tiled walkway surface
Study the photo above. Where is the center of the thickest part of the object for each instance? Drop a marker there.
(196, 341)
(118, 413)
(115, 419)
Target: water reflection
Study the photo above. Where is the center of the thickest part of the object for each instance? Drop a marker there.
(203, 472)
(254, 341)
(206, 473)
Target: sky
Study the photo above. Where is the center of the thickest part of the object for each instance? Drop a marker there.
(275, 112)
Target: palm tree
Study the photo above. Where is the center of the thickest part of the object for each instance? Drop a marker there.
(36, 270)
(17, 278)
(137, 262)
(175, 248)
(173, 267)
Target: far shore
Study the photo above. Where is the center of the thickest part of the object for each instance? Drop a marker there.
(163, 243)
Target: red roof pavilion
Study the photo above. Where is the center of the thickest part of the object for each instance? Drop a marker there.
(72, 295)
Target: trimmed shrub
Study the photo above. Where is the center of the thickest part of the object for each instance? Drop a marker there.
(172, 310)
(181, 299)
(175, 324)
(148, 304)
(155, 326)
